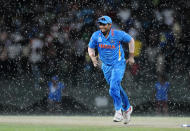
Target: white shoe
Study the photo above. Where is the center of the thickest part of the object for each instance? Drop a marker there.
(118, 117)
(127, 115)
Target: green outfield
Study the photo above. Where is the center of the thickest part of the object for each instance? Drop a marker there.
(51, 128)
(87, 123)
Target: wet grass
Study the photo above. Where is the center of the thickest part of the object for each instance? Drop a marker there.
(88, 123)
(14, 127)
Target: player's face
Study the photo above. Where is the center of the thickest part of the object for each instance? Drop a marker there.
(104, 27)
(54, 81)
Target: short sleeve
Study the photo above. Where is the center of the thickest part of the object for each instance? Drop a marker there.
(126, 38)
(62, 85)
(168, 84)
(92, 43)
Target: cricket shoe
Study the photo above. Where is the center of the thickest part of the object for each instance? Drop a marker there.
(127, 115)
(118, 117)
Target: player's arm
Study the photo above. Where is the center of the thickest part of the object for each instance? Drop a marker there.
(131, 60)
(91, 49)
(91, 53)
(63, 93)
(126, 38)
(169, 95)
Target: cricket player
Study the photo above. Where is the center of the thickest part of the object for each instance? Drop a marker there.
(161, 93)
(108, 42)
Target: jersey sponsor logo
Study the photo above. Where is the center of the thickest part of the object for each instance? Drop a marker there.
(107, 46)
(99, 39)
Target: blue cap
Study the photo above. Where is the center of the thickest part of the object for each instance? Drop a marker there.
(105, 20)
(55, 78)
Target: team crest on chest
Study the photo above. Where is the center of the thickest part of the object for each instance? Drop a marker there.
(99, 39)
(112, 41)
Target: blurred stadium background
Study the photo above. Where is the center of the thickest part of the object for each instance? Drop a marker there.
(40, 38)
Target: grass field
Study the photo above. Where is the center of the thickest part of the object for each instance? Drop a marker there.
(87, 123)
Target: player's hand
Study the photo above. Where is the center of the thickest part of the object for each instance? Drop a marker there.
(94, 61)
(131, 61)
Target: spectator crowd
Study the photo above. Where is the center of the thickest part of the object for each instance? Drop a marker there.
(49, 38)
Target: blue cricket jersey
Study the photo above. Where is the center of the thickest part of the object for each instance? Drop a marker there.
(110, 49)
(162, 91)
(55, 94)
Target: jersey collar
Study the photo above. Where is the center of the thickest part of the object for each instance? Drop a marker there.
(111, 33)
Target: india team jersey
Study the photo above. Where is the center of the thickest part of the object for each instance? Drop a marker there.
(55, 94)
(110, 49)
(162, 91)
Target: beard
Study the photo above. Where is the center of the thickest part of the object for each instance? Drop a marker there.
(105, 32)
